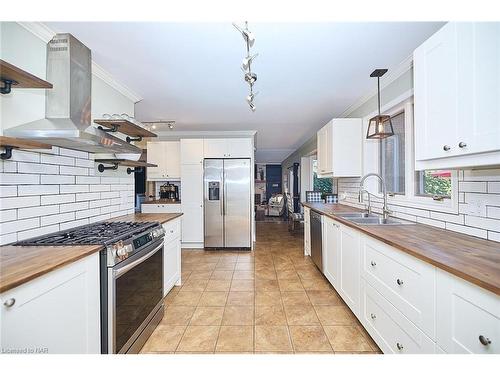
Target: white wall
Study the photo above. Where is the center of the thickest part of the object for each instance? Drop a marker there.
(43, 192)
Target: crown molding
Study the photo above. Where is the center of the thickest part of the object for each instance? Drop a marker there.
(39, 29)
(45, 33)
(175, 134)
(385, 81)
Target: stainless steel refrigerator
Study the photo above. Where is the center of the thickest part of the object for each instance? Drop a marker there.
(227, 189)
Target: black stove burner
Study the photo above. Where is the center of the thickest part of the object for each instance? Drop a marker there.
(93, 234)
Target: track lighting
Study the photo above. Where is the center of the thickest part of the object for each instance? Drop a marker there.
(246, 65)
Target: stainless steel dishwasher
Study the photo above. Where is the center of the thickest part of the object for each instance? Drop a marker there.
(316, 240)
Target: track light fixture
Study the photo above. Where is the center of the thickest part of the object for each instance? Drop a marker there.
(246, 65)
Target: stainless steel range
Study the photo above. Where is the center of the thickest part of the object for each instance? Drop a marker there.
(131, 278)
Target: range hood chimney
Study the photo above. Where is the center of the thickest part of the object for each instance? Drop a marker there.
(67, 121)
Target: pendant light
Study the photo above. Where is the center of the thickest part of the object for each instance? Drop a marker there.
(379, 126)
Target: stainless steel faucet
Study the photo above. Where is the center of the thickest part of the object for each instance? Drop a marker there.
(385, 210)
(361, 200)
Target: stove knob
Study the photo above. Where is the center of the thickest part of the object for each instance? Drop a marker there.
(122, 251)
(129, 248)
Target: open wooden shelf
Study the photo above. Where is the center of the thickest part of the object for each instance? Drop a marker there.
(125, 127)
(138, 165)
(14, 77)
(9, 143)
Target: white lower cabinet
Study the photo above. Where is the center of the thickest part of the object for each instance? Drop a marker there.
(307, 231)
(349, 258)
(406, 282)
(331, 250)
(172, 255)
(56, 313)
(163, 208)
(468, 316)
(390, 329)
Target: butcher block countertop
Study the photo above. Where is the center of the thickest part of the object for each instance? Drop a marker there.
(20, 264)
(470, 258)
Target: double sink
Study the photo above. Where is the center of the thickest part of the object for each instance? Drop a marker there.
(364, 218)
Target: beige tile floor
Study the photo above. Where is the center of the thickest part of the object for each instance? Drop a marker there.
(271, 300)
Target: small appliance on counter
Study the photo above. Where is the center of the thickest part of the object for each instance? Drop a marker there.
(169, 192)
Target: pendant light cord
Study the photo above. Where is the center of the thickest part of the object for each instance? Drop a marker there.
(378, 94)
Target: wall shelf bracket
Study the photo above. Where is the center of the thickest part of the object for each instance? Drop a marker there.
(7, 154)
(133, 139)
(134, 170)
(112, 129)
(101, 168)
(7, 85)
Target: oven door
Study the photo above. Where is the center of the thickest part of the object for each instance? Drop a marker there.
(135, 293)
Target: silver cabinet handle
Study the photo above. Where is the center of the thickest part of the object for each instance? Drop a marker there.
(446, 148)
(462, 145)
(399, 346)
(373, 316)
(484, 340)
(399, 281)
(373, 263)
(11, 301)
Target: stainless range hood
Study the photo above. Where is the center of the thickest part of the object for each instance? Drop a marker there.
(67, 121)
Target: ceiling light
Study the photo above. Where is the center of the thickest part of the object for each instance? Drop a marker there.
(246, 34)
(251, 97)
(250, 77)
(252, 106)
(380, 126)
(247, 61)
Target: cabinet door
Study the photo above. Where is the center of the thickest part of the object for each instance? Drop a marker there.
(192, 203)
(321, 156)
(156, 155)
(58, 312)
(468, 316)
(192, 151)
(479, 100)
(172, 160)
(171, 264)
(240, 147)
(348, 285)
(215, 148)
(346, 140)
(307, 231)
(331, 251)
(436, 83)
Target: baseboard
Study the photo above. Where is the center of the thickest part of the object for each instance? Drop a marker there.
(192, 245)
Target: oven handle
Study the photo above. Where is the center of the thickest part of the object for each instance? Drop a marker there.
(120, 271)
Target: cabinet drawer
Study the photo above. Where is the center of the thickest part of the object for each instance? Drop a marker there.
(469, 317)
(408, 283)
(172, 230)
(389, 328)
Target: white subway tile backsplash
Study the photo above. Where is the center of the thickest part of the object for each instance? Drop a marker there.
(88, 180)
(57, 199)
(55, 219)
(8, 238)
(482, 175)
(110, 194)
(74, 171)
(9, 166)
(472, 187)
(73, 224)
(484, 223)
(19, 225)
(37, 232)
(94, 219)
(74, 153)
(8, 215)
(20, 155)
(494, 187)
(100, 187)
(37, 211)
(99, 203)
(111, 180)
(457, 219)
(19, 202)
(19, 179)
(37, 168)
(467, 230)
(38, 189)
(8, 191)
(84, 163)
(56, 159)
(87, 213)
(434, 223)
(74, 188)
(73, 206)
(493, 212)
(57, 180)
(87, 196)
(494, 236)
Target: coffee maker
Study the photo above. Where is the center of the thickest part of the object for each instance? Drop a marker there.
(169, 192)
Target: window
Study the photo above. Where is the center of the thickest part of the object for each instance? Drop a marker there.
(433, 183)
(392, 156)
(325, 185)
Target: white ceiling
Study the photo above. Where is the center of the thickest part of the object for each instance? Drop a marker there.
(308, 73)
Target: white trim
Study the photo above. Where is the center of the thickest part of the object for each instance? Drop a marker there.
(385, 81)
(45, 33)
(39, 29)
(103, 74)
(173, 134)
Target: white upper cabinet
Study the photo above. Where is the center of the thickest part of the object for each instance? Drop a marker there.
(338, 138)
(167, 156)
(192, 151)
(457, 97)
(228, 148)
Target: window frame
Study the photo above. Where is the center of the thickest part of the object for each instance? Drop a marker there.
(410, 198)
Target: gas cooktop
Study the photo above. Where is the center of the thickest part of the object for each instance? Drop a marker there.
(103, 233)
